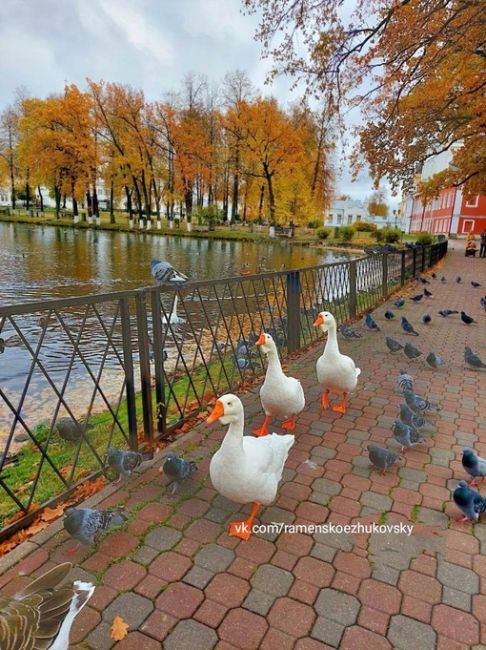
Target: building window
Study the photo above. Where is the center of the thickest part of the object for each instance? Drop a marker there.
(358, 217)
(467, 226)
(340, 219)
(473, 202)
(350, 219)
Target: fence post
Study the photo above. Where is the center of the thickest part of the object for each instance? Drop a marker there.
(414, 265)
(352, 289)
(158, 348)
(128, 367)
(402, 271)
(384, 278)
(293, 311)
(423, 259)
(143, 349)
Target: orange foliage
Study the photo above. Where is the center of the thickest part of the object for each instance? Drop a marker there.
(119, 629)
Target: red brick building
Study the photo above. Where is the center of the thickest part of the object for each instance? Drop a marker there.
(450, 213)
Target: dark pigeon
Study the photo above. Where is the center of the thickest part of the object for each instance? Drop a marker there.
(417, 298)
(389, 315)
(470, 502)
(434, 360)
(405, 381)
(427, 293)
(392, 345)
(178, 469)
(433, 275)
(407, 436)
(458, 279)
(371, 324)
(124, 462)
(411, 352)
(84, 524)
(349, 332)
(399, 302)
(414, 420)
(382, 458)
(467, 320)
(474, 465)
(165, 273)
(443, 280)
(447, 312)
(472, 360)
(419, 404)
(70, 430)
(426, 319)
(407, 327)
(475, 284)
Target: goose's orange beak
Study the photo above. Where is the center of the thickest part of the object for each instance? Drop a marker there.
(217, 412)
(319, 320)
(261, 340)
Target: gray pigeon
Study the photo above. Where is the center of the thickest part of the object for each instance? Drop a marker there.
(405, 381)
(474, 465)
(434, 360)
(349, 332)
(124, 462)
(392, 345)
(83, 524)
(178, 469)
(411, 352)
(165, 273)
(406, 435)
(41, 615)
(415, 420)
(71, 430)
(472, 360)
(382, 458)
(419, 404)
(470, 502)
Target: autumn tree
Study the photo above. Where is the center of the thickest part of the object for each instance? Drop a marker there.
(377, 204)
(416, 68)
(8, 145)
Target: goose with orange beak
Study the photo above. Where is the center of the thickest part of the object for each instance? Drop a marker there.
(335, 371)
(281, 396)
(246, 469)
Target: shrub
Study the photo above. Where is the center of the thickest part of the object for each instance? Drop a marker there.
(391, 235)
(364, 226)
(313, 224)
(346, 233)
(378, 235)
(323, 233)
(424, 238)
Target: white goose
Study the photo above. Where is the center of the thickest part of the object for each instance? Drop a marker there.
(246, 469)
(335, 371)
(173, 319)
(281, 396)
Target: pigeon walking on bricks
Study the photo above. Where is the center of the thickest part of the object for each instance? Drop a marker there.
(470, 502)
(406, 435)
(178, 469)
(417, 298)
(443, 280)
(434, 360)
(419, 404)
(399, 302)
(165, 273)
(389, 315)
(482, 302)
(475, 284)
(427, 293)
(433, 275)
(467, 320)
(71, 430)
(414, 420)
(426, 319)
(41, 615)
(411, 352)
(474, 465)
(405, 381)
(424, 281)
(382, 458)
(371, 324)
(458, 279)
(392, 345)
(472, 360)
(83, 524)
(124, 462)
(407, 327)
(349, 332)
(447, 312)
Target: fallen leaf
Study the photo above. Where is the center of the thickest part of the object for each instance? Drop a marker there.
(119, 629)
(48, 514)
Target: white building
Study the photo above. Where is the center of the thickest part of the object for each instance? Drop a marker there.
(345, 213)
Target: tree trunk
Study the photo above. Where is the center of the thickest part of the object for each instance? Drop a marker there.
(112, 202)
(27, 192)
(11, 165)
(41, 198)
(260, 203)
(138, 199)
(89, 203)
(129, 202)
(57, 195)
(188, 199)
(96, 207)
(236, 186)
(271, 196)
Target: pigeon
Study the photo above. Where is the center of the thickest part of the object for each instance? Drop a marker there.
(371, 324)
(408, 327)
(426, 319)
(382, 458)
(399, 302)
(407, 436)
(474, 465)
(419, 404)
(2, 346)
(427, 293)
(242, 363)
(414, 420)
(349, 332)
(424, 281)
(177, 469)
(434, 360)
(41, 615)
(393, 346)
(482, 302)
(83, 524)
(405, 381)
(433, 275)
(467, 320)
(475, 284)
(124, 462)
(469, 501)
(71, 430)
(389, 315)
(472, 359)
(447, 312)
(242, 349)
(165, 273)
(411, 352)
(443, 280)
(458, 279)
(417, 298)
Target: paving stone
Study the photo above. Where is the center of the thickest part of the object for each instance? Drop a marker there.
(408, 634)
(458, 577)
(227, 589)
(456, 598)
(327, 631)
(292, 617)
(242, 628)
(180, 600)
(145, 554)
(385, 573)
(378, 502)
(163, 538)
(272, 580)
(170, 566)
(218, 515)
(410, 474)
(191, 635)
(359, 638)
(214, 558)
(259, 602)
(337, 606)
(133, 608)
(455, 624)
(124, 575)
(99, 638)
(323, 552)
(198, 577)
(335, 540)
(324, 485)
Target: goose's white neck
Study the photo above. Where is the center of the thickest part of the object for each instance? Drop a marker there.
(233, 440)
(174, 308)
(274, 364)
(332, 347)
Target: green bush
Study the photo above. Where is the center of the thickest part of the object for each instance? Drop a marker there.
(364, 226)
(210, 214)
(346, 233)
(313, 224)
(378, 235)
(424, 238)
(391, 235)
(323, 233)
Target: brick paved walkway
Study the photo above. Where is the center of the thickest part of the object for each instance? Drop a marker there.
(182, 583)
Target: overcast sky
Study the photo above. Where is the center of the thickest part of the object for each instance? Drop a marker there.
(149, 44)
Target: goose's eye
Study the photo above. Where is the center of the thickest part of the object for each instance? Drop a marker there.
(229, 403)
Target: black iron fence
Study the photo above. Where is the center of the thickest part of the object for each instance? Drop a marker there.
(83, 374)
